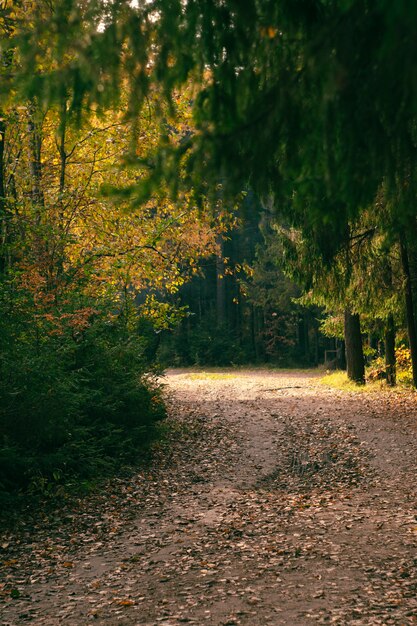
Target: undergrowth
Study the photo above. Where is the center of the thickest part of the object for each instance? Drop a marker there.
(339, 380)
(76, 401)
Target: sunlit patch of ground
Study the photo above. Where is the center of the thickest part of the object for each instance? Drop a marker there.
(211, 376)
(339, 380)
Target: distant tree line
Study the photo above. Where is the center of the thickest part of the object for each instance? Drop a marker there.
(241, 308)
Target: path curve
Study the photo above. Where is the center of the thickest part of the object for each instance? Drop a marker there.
(278, 501)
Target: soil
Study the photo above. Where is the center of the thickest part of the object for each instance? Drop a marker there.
(275, 500)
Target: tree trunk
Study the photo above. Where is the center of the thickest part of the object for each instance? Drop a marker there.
(220, 284)
(354, 351)
(316, 343)
(341, 354)
(60, 245)
(35, 163)
(6, 62)
(389, 341)
(3, 210)
(255, 346)
(411, 324)
(43, 241)
(306, 339)
(301, 336)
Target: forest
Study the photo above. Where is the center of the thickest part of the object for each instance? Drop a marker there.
(183, 184)
(176, 189)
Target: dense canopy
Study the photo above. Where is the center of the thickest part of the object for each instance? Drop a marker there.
(313, 101)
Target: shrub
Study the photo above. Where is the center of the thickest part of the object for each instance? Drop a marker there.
(377, 369)
(75, 395)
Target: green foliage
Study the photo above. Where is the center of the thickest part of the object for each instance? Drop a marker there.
(313, 101)
(332, 326)
(204, 343)
(77, 393)
(75, 402)
(258, 321)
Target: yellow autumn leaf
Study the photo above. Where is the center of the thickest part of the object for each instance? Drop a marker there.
(126, 602)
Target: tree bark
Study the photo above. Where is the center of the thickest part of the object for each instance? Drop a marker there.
(6, 61)
(35, 163)
(354, 351)
(389, 340)
(3, 210)
(316, 342)
(409, 304)
(60, 245)
(341, 354)
(253, 336)
(220, 284)
(301, 335)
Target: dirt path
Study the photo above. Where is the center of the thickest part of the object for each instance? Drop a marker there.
(279, 501)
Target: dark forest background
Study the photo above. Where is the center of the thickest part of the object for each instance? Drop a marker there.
(242, 308)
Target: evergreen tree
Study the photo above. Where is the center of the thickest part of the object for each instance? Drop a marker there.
(311, 102)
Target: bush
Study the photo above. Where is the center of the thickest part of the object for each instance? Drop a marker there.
(404, 366)
(75, 398)
(377, 369)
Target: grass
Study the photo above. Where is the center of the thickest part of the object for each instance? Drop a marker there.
(210, 376)
(237, 369)
(336, 380)
(224, 373)
(339, 380)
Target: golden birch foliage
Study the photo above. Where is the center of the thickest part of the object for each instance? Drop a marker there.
(106, 242)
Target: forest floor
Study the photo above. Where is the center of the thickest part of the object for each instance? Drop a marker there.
(276, 500)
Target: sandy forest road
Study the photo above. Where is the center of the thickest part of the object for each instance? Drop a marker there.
(280, 502)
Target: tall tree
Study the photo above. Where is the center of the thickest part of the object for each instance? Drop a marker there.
(354, 352)
(313, 102)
